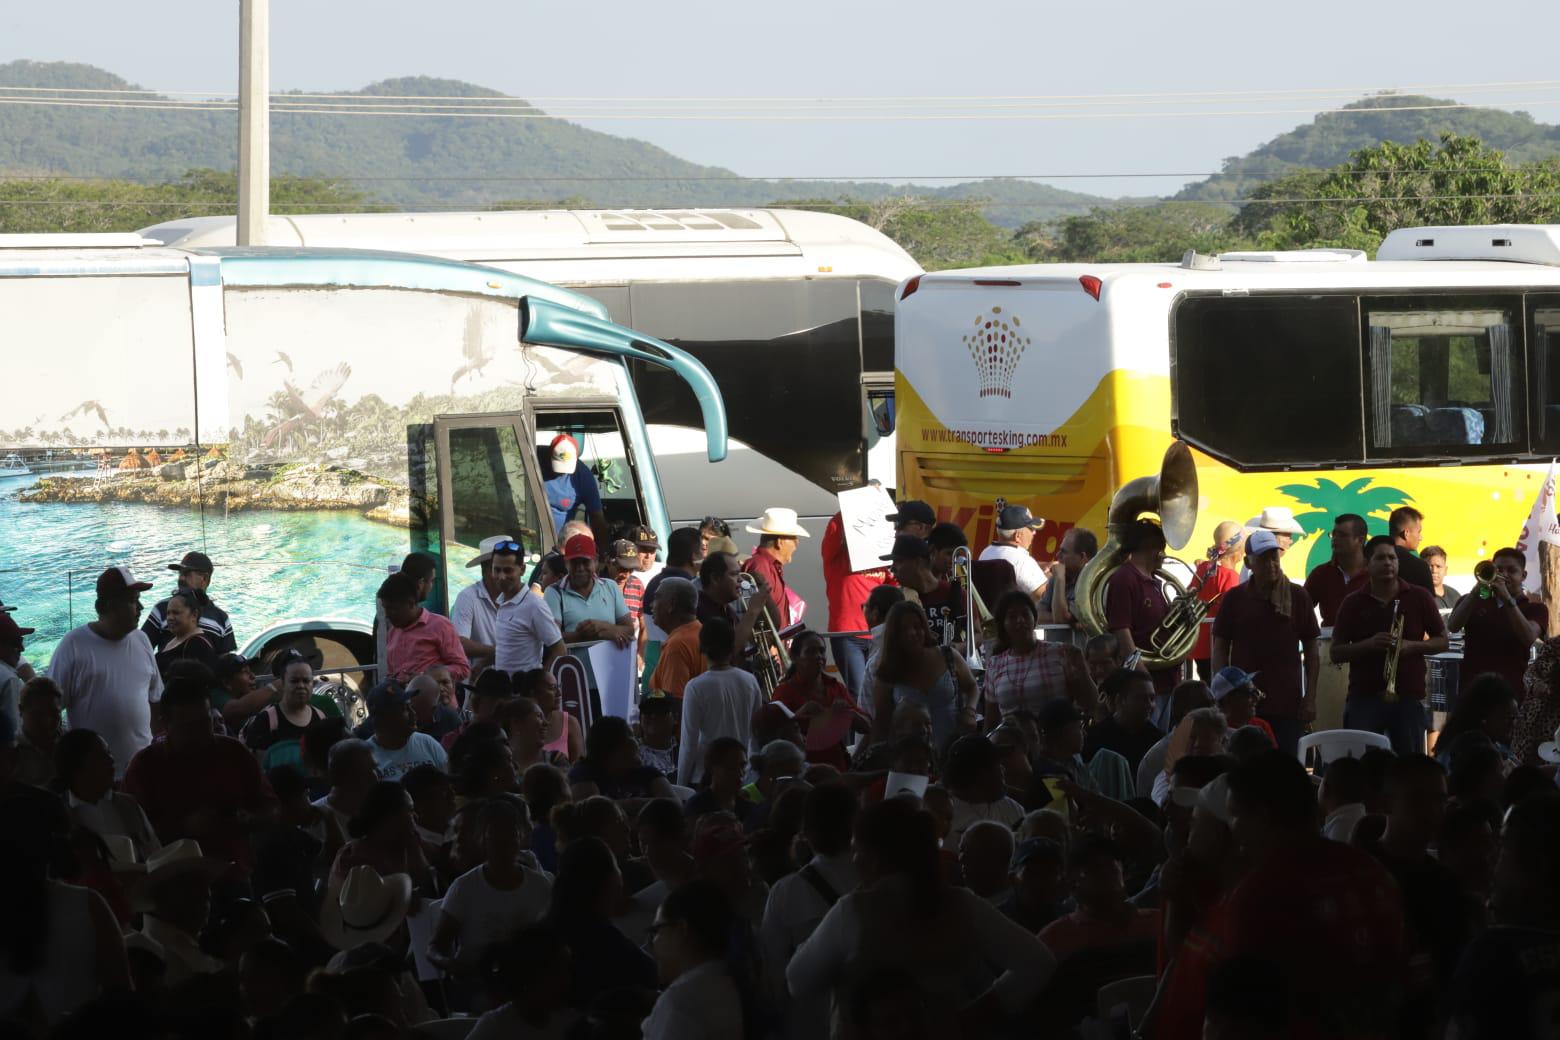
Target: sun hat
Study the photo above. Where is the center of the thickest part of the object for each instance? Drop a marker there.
(565, 453)
(368, 908)
(1280, 519)
(487, 545)
(1229, 680)
(723, 544)
(1212, 798)
(1549, 750)
(778, 520)
(173, 861)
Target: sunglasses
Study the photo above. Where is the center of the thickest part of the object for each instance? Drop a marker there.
(716, 524)
(508, 547)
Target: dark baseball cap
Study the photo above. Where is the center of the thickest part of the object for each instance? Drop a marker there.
(1016, 518)
(11, 633)
(387, 694)
(913, 512)
(1058, 712)
(491, 683)
(646, 539)
(909, 547)
(116, 581)
(229, 665)
(193, 561)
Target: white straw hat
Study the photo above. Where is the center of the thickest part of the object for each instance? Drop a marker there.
(1280, 519)
(367, 908)
(777, 520)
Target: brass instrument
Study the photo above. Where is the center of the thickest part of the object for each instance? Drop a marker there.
(1484, 574)
(1189, 609)
(1172, 494)
(1390, 672)
(771, 658)
(974, 609)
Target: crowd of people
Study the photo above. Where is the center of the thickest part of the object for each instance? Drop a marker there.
(1025, 837)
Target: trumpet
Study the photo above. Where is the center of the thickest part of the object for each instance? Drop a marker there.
(771, 659)
(1390, 672)
(974, 610)
(1484, 574)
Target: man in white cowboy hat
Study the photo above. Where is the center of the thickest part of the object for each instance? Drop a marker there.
(475, 611)
(778, 530)
(175, 895)
(367, 908)
(1281, 523)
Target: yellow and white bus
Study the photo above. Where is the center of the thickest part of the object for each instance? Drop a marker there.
(1316, 380)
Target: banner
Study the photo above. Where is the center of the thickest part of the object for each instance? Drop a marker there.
(1541, 527)
(869, 537)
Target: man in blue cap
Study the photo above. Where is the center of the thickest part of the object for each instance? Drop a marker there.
(1016, 527)
(397, 745)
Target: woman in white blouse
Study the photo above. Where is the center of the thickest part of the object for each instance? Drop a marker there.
(906, 918)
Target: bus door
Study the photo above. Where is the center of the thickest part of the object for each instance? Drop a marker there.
(487, 484)
(597, 427)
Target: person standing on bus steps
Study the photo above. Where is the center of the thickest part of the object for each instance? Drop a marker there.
(778, 531)
(475, 611)
(1216, 575)
(1267, 626)
(418, 638)
(1078, 546)
(1016, 528)
(1406, 525)
(941, 600)
(1444, 595)
(848, 591)
(1328, 584)
(194, 572)
(1362, 639)
(1135, 604)
(1499, 628)
(573, 488)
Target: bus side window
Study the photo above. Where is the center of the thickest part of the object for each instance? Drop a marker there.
(1444, 375)
(1544, 363)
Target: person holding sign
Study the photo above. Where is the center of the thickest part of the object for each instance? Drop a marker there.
(862, 520)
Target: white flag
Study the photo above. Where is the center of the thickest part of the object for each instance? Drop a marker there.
(1541, 527)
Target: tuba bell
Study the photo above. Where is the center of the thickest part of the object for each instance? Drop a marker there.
(1172, 495)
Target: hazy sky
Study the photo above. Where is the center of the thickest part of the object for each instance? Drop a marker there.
(830, 48)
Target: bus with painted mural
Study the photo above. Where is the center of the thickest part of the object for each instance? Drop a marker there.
(1316, 380)
(304, 417)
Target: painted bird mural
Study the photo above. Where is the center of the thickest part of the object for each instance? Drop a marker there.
(476, 351)
(308, 406)
(88, 408)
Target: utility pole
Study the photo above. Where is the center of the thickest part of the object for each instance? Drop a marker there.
(254, 120)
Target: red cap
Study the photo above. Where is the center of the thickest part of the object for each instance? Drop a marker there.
(717, 837)
(581, 545)
(11, 633)
(118, 580)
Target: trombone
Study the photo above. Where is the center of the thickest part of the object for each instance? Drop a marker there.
(974, 609)
(1394, 654)
(771, 659)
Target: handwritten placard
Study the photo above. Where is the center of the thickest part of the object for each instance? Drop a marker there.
(868, 534)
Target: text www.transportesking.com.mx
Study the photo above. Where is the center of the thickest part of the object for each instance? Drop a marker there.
(996, 438)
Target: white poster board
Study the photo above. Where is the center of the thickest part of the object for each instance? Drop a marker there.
(869, 536)
(614, 670)
(1541, 527)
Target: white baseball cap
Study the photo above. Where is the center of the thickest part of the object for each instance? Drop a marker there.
(565, 453)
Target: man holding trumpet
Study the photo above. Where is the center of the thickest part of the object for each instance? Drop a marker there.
(1363, 639)
(1499, 622)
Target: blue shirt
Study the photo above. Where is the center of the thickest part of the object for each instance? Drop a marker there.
(569, 608)
(570, 492)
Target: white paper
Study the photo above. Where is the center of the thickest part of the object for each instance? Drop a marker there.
(905, 783)
(868, 534)
(614, 672)
(1542, 526)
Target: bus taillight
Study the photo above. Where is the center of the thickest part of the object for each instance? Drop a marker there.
(911, 286)
(1091, 285)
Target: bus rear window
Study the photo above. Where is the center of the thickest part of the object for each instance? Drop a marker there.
(1268, 381)
(1544, 352)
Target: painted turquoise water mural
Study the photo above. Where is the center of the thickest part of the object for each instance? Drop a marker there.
(271, 564)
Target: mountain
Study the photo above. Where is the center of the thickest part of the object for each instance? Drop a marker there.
(413, 163)
(1329, 138)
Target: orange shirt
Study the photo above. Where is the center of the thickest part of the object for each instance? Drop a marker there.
(680, 660)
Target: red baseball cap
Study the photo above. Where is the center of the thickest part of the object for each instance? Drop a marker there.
(581, 545)
(118, 580)
(11, 633)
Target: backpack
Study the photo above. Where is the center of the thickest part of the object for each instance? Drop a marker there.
(282, 752)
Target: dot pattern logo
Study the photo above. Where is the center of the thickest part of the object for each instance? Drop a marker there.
(995, 345)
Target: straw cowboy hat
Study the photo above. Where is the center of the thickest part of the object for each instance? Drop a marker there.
(367, 908)
(171, 862)
(1279, 519)
(779, 521)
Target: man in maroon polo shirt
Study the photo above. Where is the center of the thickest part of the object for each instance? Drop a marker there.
(1500, 624)
(1267, 625)
(195, 784)
(1135, 604)
(1328, 584)
(1362, 639)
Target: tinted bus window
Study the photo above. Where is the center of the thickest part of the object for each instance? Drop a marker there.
(1445, 375)
(877, 326)
(1265, 381)
(1544, 364)
(786, 356)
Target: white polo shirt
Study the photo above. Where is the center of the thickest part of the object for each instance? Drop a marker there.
(1026, 569)
(524, 630)
(475, 614)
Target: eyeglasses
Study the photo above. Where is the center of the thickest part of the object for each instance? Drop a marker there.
(716, 524)
(508, 547)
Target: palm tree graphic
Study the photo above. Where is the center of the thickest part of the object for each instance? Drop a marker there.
(1326, 499)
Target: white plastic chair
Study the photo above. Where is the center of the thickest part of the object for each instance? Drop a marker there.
(1136, 994)
(1340, 743)
(446, 1028)
(682, 793)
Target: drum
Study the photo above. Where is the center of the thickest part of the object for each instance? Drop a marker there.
(1332, 687)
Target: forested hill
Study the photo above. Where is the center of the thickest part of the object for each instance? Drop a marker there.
(1329, 139)
(422, 161)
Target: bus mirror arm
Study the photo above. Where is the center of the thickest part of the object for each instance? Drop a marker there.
(553, 325)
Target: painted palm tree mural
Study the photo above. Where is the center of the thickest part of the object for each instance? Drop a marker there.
(1326, 499)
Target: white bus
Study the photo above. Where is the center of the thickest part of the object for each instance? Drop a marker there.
(791, 311)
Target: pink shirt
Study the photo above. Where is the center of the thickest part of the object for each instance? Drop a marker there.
(428, 641)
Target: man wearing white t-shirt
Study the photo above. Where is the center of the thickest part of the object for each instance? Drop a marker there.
(1016, 528)
(525, 634)
(106, 670)
(718, 702)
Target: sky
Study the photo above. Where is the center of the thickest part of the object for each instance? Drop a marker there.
(833, 49)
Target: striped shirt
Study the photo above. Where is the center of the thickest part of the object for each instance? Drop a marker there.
(214, 625)
(1023, 682)
(634, 596)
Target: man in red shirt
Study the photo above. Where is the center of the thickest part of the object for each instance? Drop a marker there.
(1135, 604)
(848, 591)
(1216, 575)
(1362, 639)
(1500, 623)
(1328, 584)
(418, 639)
(198, 785)
(1267, 626)
(1326, 916)
(777, 530)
